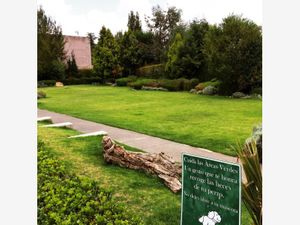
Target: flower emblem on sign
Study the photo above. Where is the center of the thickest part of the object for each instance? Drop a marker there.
(211, 219)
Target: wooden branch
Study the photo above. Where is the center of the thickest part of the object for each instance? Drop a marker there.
(160, 164)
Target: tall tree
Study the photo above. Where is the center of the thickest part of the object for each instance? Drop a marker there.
(129, 53)
(162, 24)
(106, 55)
(134, 22)
(92, 38)
(72, 69)
(190, 59)
(234, 53)
(51, 54)
(172, 66)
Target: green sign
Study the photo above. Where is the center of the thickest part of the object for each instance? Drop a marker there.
(211, 192)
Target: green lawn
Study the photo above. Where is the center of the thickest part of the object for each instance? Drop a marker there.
(211, 122)
(142, 194)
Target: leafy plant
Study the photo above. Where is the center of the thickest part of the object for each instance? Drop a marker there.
(64, 198)
(252, 189)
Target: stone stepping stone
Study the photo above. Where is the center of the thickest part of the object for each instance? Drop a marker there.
(101, 132)
(43, 118)
(66, 124)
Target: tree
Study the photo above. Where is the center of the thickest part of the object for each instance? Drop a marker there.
(162, 24)
(72, 69)
(92, 38)
(51, 54)
(234, 53)
(172, 65)
(189, 60)
(134, 23)
(106, 55)
(129, 53)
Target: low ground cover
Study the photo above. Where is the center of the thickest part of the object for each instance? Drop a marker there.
(141, 194)
(211, 122)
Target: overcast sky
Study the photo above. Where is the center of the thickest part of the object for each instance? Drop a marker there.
(89, 15)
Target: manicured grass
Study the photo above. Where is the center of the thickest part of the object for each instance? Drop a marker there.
(142, 194)
(211, 122)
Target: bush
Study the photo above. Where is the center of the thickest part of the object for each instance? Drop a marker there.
(87, 73)
(41, 94)
(64, 198)
(46, 83)
(151, 71)
(171, 85)
(257, 91)
(138, 84)
(214, 82)
(125, 80)
(238, 95)
(84, 80)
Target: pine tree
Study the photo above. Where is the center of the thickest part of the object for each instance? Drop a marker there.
(51, 54)
(106, 55)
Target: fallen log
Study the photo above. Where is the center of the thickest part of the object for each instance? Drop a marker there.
(160, 164)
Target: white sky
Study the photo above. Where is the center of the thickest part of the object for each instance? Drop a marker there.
(89, 15)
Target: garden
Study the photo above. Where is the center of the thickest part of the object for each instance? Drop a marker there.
(194, 83)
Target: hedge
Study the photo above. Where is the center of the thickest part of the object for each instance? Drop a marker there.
(46, 83)
(84, 80)
(64, 198)
(138, 84)
(125, 80)
(151, 71)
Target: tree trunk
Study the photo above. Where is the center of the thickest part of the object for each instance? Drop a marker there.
(160, 164)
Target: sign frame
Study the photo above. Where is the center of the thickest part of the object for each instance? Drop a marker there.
(216, 160)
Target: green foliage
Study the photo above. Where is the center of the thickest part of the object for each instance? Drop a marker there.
(125, 80)
(41, 94)
(172, 67)
(134, 23)
(185, 55)
(138, 84)
(72, 69)
(151, 71)
(64, 198)
(252, 190)
(86, 73)
(82, 80)
(46, 83)
(106, 55)
(129, 53)
(162, 24)
(214, 83)
(234, 54)
(50, 48)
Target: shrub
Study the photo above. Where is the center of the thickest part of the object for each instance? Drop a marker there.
(252, 189)
(41, 94)
(257, 91)
(86, 73)
(214, 82)
(138, 84)
(238, 95)
(125, 80)
(151, 71)
(46, 83)
(64, 198)
(84, 80)
(171, 85)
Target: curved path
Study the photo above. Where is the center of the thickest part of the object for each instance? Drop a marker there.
(144, 142)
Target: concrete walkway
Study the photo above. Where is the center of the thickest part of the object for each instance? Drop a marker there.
(141, 141)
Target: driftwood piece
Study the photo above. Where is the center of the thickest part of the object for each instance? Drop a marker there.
(160, 164)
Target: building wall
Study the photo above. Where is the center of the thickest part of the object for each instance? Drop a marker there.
(81, 49)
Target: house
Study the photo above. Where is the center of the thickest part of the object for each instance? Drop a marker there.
(80, 47)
